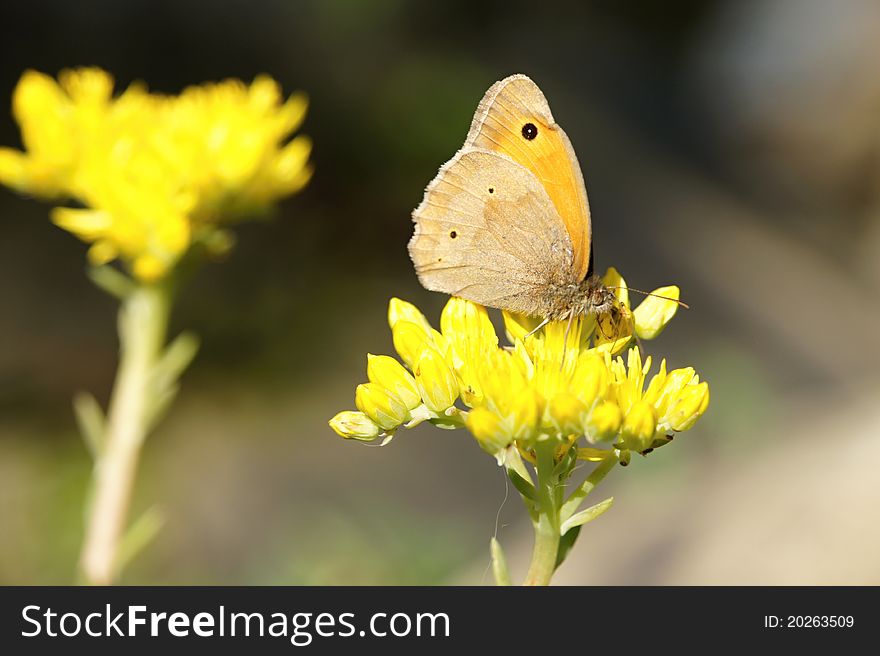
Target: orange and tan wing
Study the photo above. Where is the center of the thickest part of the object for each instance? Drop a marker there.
(514, 119)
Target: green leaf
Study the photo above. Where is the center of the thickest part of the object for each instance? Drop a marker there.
(138, 536)
(499, 563)
(175, 360)
(584, 516)
(445, 423)
(111, 280)
(159, 404)
(166, 373)
(90, 419)
(565, 545)
(523, 486)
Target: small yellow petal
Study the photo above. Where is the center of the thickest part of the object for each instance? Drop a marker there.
(85, 224)
(87, 85)
(292, 159)
(654, 313)
(13, 169)
(36, 94)
(293, 112)
(102, 252)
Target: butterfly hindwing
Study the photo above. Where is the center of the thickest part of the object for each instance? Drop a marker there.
(487, 231)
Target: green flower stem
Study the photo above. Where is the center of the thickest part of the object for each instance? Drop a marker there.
(544, 554)
(552, 512)
(547, 523)
(143, 323)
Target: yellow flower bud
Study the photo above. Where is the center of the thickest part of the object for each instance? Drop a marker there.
(399, 310)
(149, 267)
(639, 427)
(390, 374)
(355, 425)
(471, 391)
(380, 405)
(615, 281)
(410, 339)
(488, 430)
(463, 319)
(501, 376)
(666, 396)
(590, 379)
(604, 422)
(690, 405)
(219, 243)
(436, 381)
(654, 313)
(566, 412)
(527, 409)
(468, 330)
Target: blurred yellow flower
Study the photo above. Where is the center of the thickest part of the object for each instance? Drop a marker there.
(559, 384)
(154, 174)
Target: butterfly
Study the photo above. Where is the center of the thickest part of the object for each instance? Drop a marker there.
(506, 222)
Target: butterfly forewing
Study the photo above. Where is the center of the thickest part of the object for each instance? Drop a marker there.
(514, 119)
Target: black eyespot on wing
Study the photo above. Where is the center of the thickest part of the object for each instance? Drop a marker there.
(491, 190)
(529, 131)
(453, 234)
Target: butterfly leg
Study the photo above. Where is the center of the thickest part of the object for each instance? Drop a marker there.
(565, 340)
(536, 328)
(600, 327)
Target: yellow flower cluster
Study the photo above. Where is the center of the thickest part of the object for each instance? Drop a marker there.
(154, 174)
(559, 383)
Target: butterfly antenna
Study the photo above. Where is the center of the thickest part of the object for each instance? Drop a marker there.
(665, 298)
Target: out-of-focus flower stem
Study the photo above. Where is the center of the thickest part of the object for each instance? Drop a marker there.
(143, 323)
(546, 523)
